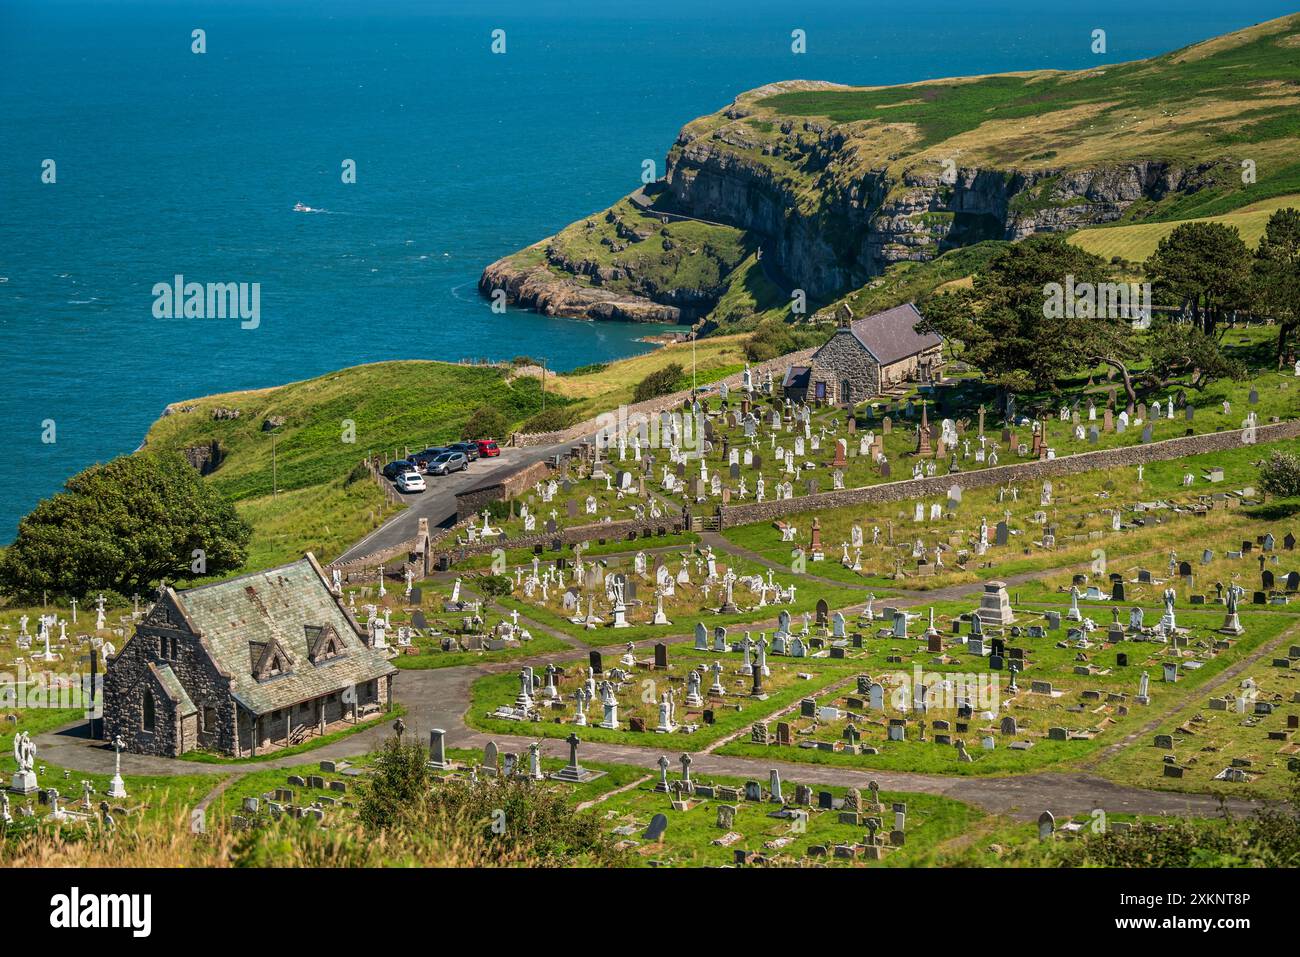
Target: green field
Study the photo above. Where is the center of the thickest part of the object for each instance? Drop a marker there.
(1138, 241)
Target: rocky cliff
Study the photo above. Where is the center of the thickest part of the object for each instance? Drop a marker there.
(835, 184)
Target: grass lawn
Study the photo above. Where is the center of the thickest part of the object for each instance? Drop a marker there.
(732, 713)
(931, 821)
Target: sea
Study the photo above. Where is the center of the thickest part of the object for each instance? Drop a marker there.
(475, 128)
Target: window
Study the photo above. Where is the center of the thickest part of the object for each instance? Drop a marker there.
(209, 720)
(148, 721)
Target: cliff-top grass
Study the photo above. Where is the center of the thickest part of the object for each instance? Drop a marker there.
(1205, 103)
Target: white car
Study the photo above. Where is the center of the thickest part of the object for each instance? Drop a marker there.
(410, 482)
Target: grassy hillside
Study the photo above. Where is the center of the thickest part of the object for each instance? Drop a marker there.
(624, 249)
(1138, 241)
(1229, 97)
(608, 386)
(392, 406)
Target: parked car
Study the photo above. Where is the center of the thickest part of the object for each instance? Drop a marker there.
(487, 448)
(410, 482)
(470, 449)
(421, 459)
(447, 463)
(394, 469)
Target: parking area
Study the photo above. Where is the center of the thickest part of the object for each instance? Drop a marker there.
(437, 502)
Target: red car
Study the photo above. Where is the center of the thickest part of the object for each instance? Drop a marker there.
(487, 448)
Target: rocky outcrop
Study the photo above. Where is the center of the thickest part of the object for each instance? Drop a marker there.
(538, 287)
(835, 184)
(205, 458)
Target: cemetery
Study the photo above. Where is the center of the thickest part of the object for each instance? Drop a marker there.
(967, 696)
(435, 623)
(692, 695)
(1024, 527)
(651, 595)
(674, 815)
(1239, 740)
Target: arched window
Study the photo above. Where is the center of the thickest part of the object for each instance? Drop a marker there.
(148, 722)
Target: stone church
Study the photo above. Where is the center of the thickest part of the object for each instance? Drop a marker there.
(866, 358)
(244, 666)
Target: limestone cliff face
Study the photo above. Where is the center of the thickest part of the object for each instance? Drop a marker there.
(833, 184)
(861, 221)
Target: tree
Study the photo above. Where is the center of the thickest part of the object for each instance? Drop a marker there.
(657, 383)
(1031, 317)
(1204, 269)
(552, 419)
(1175, 351)
(1275, 277)
(485, 422)
(1279, 474)
(125, 526)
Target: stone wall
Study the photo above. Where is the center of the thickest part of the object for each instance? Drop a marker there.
(609, 531)
(128, 677)
(583, 430)
(473, 499)
(937, 486)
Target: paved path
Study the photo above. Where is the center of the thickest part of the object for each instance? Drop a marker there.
(439, 698)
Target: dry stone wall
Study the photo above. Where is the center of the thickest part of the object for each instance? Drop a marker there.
(938, 485)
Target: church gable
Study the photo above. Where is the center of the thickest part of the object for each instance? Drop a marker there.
(323, 643)
(270, 659)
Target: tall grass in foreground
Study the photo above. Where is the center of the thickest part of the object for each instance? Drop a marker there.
(406, 817)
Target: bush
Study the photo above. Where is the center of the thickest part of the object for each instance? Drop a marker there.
(1280, 474)
(770, 339)
(485, 423)
(658, 383)
(494, 586)
(359, 472)
(550, 420)
(398, 782)
(590, 368)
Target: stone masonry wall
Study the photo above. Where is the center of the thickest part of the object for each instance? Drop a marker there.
(578, 533)
(472, 500)
(663, 403)
(937, 486)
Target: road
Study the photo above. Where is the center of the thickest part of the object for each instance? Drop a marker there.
(438, 502)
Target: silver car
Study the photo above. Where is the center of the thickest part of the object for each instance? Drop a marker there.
(446, 463)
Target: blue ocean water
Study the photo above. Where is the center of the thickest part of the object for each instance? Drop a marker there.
(172, 163)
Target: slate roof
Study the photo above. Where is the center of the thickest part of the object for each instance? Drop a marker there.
(240, 617)
(891, 335)
(796, 377)
(175, 690)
